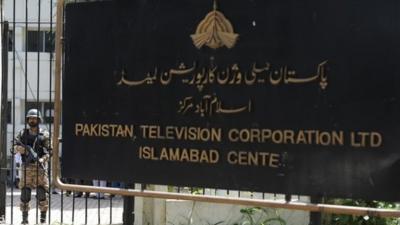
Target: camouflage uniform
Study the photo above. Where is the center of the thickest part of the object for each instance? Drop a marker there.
(34, 174)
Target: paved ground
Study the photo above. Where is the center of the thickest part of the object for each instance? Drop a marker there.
(68, 210)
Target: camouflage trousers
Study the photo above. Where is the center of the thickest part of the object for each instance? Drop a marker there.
(34, 177)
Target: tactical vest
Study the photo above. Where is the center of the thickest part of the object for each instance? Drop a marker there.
(35, 141)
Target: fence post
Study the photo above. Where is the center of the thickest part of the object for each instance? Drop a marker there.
(3, 119)
(315, 217)
(128, 216)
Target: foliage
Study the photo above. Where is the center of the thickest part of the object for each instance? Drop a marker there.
(259, 216)
(189, 219)
(336, 219)
(197, 191)
(250, 216)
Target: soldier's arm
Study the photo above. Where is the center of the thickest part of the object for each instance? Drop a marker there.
(46, 140)
(18, 148)
(46, 143)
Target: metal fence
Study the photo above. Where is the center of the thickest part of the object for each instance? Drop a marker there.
(28, 33)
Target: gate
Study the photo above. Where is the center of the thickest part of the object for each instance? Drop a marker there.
(28, 35)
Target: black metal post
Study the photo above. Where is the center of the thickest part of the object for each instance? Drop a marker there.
(315, 217)
(3, 120)
(128, 216)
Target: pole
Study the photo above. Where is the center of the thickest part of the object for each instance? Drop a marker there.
(3, 119)
(129, 206)
(315, 217)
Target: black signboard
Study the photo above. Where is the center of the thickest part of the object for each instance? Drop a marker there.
(297, 96)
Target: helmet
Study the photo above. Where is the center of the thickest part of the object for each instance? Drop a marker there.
(34, 113)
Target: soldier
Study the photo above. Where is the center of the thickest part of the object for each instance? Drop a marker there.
(34, 145)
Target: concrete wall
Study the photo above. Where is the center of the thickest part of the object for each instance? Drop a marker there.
(200, 213)
(179, 212)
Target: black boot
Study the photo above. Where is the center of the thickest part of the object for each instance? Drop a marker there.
(43, 217)
(24, 217)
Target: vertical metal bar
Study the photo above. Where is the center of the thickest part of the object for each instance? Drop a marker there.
(128, 216)
(57, 94)
(57, 86)
(62, 205)
(3, 148)
(4, 144)
(37, 165)
(62, 208)
(13, 109)
(26, 76)
(315, 217)
(86, 208)
(111, 209)
(3, 120)
(38, 106)
(50, 100)
(129, 205)
(98, 207)
(37, 200)
(73, 208)
(1, 11)
(12, 105)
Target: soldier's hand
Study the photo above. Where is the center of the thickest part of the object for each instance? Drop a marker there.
(19, 149)
(41, 160)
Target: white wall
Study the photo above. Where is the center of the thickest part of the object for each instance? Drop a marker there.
(33, 10)
(200, 213)
(181, 212)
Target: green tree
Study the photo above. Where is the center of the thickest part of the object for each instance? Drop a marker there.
(336, 219)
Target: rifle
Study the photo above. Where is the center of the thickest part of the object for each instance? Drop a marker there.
(31, 155)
